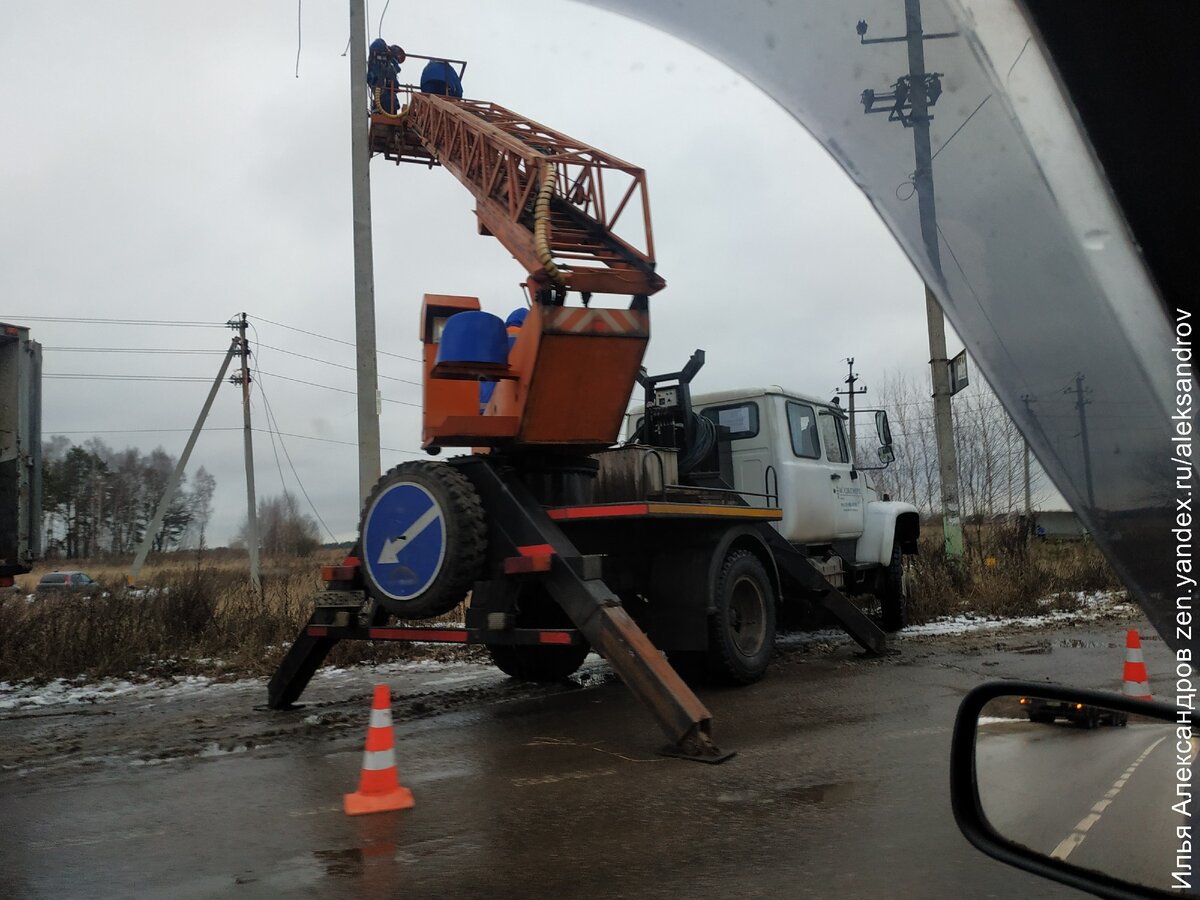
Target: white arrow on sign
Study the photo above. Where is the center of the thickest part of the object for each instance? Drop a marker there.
(391, 549)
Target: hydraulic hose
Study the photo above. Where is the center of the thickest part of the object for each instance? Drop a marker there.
(383, 112)
(541, 225)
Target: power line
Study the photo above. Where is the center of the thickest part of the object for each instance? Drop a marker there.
(91, 376)
(129, 350)
(326, 337)
(171, 323)
(946, 143)
(330, 363)
(53, 431)
(330, 387)
(271, 420)
(304, 437)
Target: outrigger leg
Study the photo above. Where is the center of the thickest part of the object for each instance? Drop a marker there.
(517, 523)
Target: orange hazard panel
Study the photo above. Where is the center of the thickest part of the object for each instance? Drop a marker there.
(580, 388)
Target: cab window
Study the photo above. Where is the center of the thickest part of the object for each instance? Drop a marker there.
(833, 438)
(740, 418)
(802, 424)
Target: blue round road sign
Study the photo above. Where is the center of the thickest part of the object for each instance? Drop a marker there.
(404, 540)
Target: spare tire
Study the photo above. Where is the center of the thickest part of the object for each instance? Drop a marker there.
(423, 539)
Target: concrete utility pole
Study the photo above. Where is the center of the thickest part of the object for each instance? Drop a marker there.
(850, 380)
(911, 98)
(248, 447)
(1081, 403)
(364, 263)
(164, 502)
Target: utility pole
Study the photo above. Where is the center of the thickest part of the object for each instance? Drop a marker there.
(850, 380)
(364, 263)
(1028, 493)
(911, 97)
(1081, 403)
(164, 502)
(248, 445)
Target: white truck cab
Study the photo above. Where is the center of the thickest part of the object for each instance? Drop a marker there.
(792, 451)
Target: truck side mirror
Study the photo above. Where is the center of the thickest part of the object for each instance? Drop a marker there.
(887, 455)
(883, 430)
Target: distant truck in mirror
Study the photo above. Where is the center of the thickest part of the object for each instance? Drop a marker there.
(1045, 711)
(20, 451)
(791, 451)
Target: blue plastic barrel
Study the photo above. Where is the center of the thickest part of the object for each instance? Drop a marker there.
(439, 77)
(474, 337)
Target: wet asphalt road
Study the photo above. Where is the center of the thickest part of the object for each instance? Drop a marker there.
(839, 788)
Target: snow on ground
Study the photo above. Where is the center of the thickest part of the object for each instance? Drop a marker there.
(1091, 605)
(15, 696)
(25, 695)
(61, 692)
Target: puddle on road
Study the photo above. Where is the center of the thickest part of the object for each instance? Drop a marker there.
(341, 863)
(1086, 645)
(834, 792)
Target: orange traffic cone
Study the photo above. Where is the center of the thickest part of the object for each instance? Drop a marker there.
(1137, 682)
(379, 789)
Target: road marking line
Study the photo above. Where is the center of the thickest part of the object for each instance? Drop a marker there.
(1075, 838)
(1069, 843)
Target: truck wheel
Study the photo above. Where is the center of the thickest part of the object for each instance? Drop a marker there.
(741, 633)
(423, 539)
(534, 662)
(538, 662)
(893, 605)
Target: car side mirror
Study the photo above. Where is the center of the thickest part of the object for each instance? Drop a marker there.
(1087, 788)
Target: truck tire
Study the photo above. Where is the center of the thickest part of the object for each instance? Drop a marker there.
(538, 662)
(741, 632)
(893, 605)
(423, 539)
(534, 662)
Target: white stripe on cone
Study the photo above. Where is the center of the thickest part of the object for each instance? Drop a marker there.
(377, 760)
(1136, 689)
(1133, 655)
(381, 718)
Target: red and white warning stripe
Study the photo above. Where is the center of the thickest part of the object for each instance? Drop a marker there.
(575, 320)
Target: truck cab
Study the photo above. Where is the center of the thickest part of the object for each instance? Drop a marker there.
(792, 451)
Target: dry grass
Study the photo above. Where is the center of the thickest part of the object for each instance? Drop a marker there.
(200, 616)
(195, 617)
(1002, 574)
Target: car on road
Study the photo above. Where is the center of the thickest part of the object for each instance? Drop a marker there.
(1045, 711)
(72, 582)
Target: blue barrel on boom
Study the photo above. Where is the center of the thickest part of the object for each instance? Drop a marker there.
(439, 77)
(473, 340)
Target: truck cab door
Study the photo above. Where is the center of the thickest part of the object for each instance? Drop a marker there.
(845, 482)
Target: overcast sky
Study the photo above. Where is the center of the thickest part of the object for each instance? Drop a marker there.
(163, 162)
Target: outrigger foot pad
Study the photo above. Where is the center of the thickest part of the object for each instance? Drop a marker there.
(697, 747)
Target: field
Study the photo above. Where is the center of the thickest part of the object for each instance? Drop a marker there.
(198, 614)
